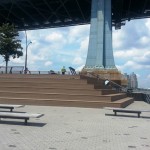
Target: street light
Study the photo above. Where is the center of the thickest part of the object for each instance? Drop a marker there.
(26, 57)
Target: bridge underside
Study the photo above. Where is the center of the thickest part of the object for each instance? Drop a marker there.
(35, 14)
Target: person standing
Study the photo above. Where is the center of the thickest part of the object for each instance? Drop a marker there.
(63, 70)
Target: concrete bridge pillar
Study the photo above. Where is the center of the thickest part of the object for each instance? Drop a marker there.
(100, 53)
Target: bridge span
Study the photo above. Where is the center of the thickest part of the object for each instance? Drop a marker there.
(38, 14)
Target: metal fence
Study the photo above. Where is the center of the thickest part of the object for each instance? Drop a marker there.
(20, 70)
(12, 69)
(141, 95)
(146, 97)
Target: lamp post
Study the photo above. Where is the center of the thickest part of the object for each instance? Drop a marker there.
(26, 57)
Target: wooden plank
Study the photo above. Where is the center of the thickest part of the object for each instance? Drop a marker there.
(25, 115)
(11, 107)
(8, 105)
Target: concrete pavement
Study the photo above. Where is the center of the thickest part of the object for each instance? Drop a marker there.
(70, 128)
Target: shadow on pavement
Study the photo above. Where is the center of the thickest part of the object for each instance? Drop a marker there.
(34, 124)
(12, 111)
(120, 115)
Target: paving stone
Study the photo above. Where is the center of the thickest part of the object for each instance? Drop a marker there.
(70, 128)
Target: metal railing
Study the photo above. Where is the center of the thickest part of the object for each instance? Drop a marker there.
(114, 85)
(146, 98)
(141, 95)
(20, 70)
(11, 69)
(51, 73)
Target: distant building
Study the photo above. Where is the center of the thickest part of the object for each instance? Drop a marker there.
(127, 77)
(132, 80)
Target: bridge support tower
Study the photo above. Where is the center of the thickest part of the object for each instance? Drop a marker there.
(100, 59)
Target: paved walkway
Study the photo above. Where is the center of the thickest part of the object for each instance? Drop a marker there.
(67, 128)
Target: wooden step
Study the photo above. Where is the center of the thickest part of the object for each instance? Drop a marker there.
(63, 96)
(44, 80)
(39, 76)
(101, 86)
(67, 103)
(66, 90)
(42, 84)
(59, 90)
(11, 87)
(52, 82)
(51, 90)
(124, 102)
(106, 91)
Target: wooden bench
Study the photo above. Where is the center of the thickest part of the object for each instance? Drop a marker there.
(25, 116)
(11, 107)
(122, 110)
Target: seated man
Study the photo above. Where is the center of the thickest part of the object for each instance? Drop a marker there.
(106, 82)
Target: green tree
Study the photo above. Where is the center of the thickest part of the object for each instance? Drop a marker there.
(10, 46)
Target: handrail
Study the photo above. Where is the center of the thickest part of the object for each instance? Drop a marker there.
(115, 85)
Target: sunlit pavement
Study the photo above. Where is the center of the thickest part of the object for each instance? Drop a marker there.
(70, 128)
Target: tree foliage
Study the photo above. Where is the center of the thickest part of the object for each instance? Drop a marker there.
(10, 46)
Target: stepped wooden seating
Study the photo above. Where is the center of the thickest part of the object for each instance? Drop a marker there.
(59, 90)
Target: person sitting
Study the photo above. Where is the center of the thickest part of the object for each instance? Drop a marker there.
(63, 70)
(52, 72)
(106, 82)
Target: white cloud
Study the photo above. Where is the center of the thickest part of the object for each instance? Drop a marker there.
(19, 60)
(35, 58)
(84, 44)
(77, 61)
(144, 40)
(55, 37)
(80, 68)
(79, 57)
(118, 38)
(120, 68)
(143, 58)
(138, 75)
(48, 63)
(77, 33)
(2, 64)
(132, 66)
(128, 53)
(148, 76)
(147, 24)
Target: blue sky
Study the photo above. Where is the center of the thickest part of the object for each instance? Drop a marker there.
(56, 47)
